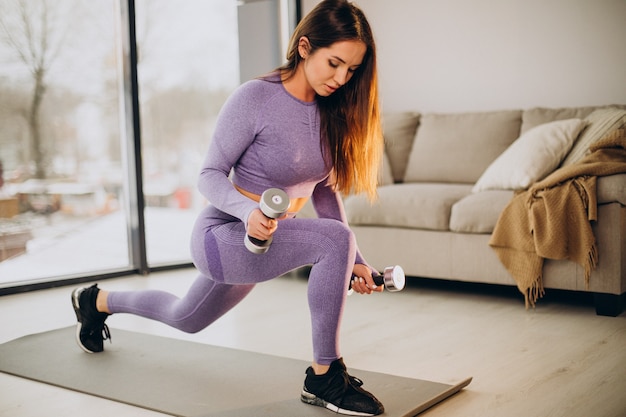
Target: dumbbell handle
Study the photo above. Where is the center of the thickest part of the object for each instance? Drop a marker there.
(378, 279)
(392, 278)
(274, 203)
(256, 241)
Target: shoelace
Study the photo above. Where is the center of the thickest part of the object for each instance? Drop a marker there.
(337, 390)
(337, 387)
(104, 332)
(355, 381)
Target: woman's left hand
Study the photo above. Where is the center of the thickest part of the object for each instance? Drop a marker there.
(364, 283)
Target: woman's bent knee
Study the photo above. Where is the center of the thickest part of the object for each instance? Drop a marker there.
(341, 234)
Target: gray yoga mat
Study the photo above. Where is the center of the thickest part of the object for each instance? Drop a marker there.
(188, 379)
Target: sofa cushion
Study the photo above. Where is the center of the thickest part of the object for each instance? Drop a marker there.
(458, 147)
(416, 205)
(479, 212)
(541, 115)
(399, 131)
(531, 157)
(599, 123)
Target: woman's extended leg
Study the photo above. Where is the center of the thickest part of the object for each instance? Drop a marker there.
(205, 302)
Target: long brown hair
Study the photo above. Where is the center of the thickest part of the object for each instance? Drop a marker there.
(350, 117)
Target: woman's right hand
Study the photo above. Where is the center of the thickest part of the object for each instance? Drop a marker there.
(261, 227)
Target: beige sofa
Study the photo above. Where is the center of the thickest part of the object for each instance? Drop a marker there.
(438, 205)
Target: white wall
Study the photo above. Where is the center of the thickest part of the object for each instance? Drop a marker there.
(474, 55)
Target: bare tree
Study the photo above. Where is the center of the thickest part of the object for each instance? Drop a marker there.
(34, 32)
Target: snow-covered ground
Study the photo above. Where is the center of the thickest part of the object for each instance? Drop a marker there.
(63, 247)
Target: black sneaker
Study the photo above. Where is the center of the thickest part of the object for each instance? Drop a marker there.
(339, 392)
(91, 331)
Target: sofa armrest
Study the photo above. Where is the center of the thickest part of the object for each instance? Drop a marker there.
(612, 189)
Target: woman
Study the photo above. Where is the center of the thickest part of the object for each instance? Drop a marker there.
(311, 128)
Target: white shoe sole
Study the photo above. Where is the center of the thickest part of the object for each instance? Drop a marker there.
(312, 399)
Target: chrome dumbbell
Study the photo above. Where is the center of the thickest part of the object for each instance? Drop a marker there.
(274, 203)
(392, 278)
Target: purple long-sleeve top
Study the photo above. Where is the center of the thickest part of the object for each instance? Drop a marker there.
(267, 138)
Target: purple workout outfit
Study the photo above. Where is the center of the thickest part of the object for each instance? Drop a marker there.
(270, 139)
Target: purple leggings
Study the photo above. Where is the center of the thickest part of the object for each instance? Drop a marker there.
(229, 272)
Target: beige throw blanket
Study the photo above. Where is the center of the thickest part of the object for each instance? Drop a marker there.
(552, 218)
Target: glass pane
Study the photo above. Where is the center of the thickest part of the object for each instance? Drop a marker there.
(188, 65)
(61, 183)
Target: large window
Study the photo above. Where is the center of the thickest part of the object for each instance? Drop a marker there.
(65, 178)
(187, 66)
(60, 135)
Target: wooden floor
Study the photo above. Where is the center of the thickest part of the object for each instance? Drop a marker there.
(557, 360)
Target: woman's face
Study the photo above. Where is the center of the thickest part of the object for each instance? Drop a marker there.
(327, 69)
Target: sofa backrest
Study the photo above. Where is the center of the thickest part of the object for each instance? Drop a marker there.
(458, 147)
(540, 115)
(399, 131)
